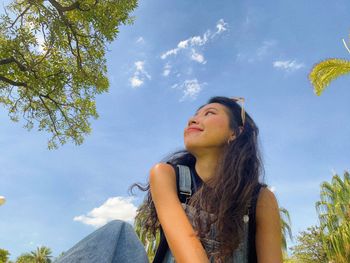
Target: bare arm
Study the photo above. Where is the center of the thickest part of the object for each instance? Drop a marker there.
(180, 235)
(268, 228)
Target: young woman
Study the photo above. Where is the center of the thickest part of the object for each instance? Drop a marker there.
(231, 216)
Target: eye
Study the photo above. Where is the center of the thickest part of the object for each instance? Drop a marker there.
(209, 112)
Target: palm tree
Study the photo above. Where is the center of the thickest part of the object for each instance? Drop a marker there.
(42, 255)
(334, 214)
(327, 70)
(286, 227)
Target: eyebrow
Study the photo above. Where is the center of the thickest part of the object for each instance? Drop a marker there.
(206, 110)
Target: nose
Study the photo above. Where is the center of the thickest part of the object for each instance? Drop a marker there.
(192, 120)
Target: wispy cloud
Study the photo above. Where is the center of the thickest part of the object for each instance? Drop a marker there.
(192, 47)
(196, 41)
(265, 48)
(198, 57)
(288, 65)
(190, 88)
(259, 53)
(135, 82)
(139, 75)
(185, 44)
(166, 70)
(114, 208)
(140, 40)
(221, 27)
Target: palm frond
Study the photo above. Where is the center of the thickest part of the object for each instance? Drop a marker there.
(327, 70)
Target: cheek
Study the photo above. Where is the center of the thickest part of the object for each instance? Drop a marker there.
(218, 124)
(218, 127)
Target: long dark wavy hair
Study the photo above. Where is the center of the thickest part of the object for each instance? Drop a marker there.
(226, 195)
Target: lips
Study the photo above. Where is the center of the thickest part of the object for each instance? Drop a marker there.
(190, 129)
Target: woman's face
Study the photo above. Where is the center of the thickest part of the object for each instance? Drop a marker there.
(208, 128)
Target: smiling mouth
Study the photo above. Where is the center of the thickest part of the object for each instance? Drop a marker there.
(193, 129)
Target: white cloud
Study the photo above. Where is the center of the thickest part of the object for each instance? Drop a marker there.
(197, 57)
(135, 82)
(288, 65)
(140, 40)
(114, 208)
(139, 65)
(221, 27)
(191, 89)
(169, 53)
(166, 70)
(140, 74)
(196, 41)
(183, 44)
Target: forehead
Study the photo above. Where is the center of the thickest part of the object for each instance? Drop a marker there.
(217, 106)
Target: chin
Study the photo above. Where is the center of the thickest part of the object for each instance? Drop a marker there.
(193, 147)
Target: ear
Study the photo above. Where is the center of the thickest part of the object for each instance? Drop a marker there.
(233, 135)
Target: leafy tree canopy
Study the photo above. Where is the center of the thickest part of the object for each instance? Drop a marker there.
(52, 62)
(309, 247)
(25, 258)
(4, 255)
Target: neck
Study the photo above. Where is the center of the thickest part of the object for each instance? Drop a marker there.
(206, 166)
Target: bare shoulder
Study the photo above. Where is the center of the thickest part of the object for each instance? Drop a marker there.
(267, 206)
(161, 170)
(162, 176)
(162, 167)
(267, 198)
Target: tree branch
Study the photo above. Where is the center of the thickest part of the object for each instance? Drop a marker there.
(50, 116)
(14, 83)
(61, 8)
(58, 105)
(13, 60)
(20, 16)
(72, 32)
(75, 5)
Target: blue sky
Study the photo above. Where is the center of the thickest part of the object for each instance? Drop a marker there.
(172, 60)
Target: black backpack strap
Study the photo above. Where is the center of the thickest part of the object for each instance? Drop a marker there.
(184, 183)
(183, 186)
(252, 258)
